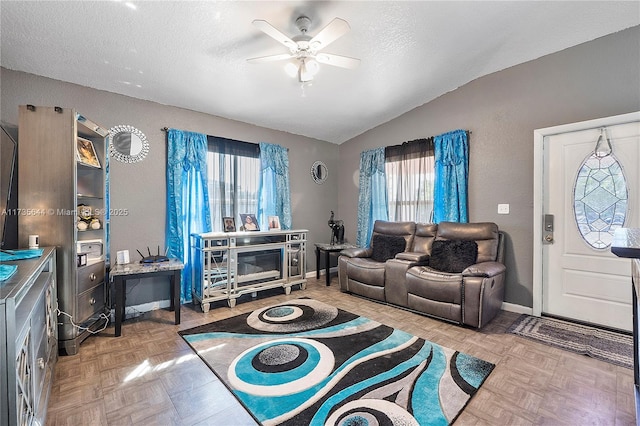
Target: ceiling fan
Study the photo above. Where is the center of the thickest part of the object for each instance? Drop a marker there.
(304, 50)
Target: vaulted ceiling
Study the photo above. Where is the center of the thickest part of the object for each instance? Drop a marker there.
(192, 54)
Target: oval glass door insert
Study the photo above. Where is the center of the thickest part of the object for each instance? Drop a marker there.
(600, 199)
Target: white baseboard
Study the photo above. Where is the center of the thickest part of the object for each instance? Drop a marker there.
(519, 309)
(134, 311)
(312, 274)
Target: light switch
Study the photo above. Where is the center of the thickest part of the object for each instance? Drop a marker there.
(503, 208)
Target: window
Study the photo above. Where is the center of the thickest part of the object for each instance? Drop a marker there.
(233, 174)
(600, 199)
(410, 177)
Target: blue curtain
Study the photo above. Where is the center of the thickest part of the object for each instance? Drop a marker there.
(187, 198)
(274, 192)
(372, 199)
(451, 152)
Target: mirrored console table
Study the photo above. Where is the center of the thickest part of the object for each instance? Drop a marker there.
(626, 243)
(227, 265)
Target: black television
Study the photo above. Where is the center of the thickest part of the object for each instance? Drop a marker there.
(8, 186)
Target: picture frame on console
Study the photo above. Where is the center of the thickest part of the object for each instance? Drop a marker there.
(229, 224)
(274, 223)
(86, 153)
(249, 222)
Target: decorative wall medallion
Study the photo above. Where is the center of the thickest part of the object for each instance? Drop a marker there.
(128, 144)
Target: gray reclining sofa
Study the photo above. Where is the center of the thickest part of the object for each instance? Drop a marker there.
(452, 271)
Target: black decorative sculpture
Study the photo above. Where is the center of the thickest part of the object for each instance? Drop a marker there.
(337, 230)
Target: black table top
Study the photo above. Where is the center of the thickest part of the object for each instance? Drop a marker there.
(626, 243)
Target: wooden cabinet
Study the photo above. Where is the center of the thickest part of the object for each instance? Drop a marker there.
(28, 340)
(62, 159)
(227, 265)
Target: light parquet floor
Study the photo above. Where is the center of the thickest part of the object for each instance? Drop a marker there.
(150, 376)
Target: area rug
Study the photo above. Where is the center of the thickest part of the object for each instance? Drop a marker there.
(304, 362)
(609, 346)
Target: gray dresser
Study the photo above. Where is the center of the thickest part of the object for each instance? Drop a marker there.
(28, 340)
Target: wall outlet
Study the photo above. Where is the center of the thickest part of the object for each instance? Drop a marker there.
(503, 208)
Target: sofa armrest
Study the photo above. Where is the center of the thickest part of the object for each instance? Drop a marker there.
(357, 252)
(413, 256)
(484, 269)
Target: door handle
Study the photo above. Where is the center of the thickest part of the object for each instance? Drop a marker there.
(548, 238)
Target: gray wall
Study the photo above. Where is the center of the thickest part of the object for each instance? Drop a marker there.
(141, 187)
(596, 79)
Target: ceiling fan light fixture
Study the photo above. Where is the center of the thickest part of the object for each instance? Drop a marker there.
(291, 69)
(312, 66)
(308, 69)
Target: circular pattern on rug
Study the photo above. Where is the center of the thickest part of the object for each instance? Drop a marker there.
(371, 412)
(281, 314)
(281, 367)
(278, 358)
(297, 315)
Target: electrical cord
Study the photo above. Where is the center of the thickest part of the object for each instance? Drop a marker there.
(81, 328)
(101, 316)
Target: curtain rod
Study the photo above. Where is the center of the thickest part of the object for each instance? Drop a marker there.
(430, 137)
(166, 129)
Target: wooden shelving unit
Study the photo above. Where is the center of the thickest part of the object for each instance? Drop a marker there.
(52, 183)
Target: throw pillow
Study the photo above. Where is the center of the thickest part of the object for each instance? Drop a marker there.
(453, 256)
(385, 247)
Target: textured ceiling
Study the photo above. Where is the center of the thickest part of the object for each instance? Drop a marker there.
(192, 54)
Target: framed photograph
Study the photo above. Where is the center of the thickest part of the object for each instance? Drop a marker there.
(86, 153)
(249, 222)
(229, 224)
(274, 222)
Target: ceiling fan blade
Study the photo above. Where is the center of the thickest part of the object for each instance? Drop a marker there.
(334, 30)
(276, 34)
(338, 60)
(270, 58)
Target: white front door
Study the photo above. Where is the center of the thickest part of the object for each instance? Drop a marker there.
(579, 277)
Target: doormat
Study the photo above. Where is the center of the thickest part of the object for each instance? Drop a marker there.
(305, 362)
(609, 346)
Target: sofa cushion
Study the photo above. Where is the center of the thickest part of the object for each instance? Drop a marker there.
(485, 234)
(386, 247)
(424, 282)
(453, 256)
